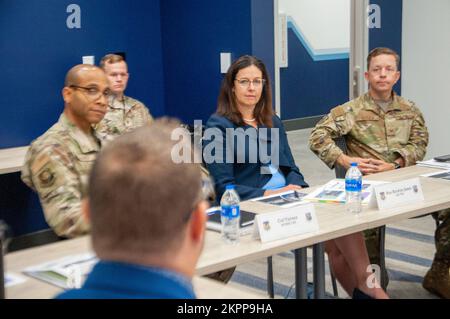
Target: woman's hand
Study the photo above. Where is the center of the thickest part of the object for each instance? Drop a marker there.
(289, 187)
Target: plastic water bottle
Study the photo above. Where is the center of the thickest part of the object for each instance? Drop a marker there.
(353, 187)
(230, 215)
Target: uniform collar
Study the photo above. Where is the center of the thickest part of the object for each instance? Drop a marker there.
(87, 143)
(396, 105)
(126, 103)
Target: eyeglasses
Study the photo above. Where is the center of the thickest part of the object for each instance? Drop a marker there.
(206, 193)
(245, 83)
(92, 92)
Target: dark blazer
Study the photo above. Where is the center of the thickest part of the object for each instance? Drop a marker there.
(246, 175)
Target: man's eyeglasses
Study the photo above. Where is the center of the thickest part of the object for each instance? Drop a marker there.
(207, 193)
(245, 83)
(92, 92)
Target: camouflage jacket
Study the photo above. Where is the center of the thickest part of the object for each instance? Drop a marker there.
(122, 116)
(371, 132)
(57, 166)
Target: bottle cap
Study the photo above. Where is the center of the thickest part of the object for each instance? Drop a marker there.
(354, 164)
(229, 186)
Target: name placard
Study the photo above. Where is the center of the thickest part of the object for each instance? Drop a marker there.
(286, 223)
(399, 193)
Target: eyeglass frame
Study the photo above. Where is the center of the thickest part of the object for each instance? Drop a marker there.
(206, 194)
(263, 81)
(86, 89)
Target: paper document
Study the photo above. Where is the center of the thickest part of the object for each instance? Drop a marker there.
(441, 174)
(12, 279)
(286, 199)
(334, 192)
(434, 164)
(67, 272)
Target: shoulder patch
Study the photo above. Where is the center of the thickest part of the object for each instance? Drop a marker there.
(46, 177)
(338, 111)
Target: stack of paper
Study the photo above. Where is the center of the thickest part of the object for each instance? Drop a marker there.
(334, 192)
(67, 272)
(434, 164)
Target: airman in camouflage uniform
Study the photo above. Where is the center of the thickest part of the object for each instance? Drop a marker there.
(371, 132)
(58, 163)
(382, 130)
(437, 279)
(124, 113)
(122, 116)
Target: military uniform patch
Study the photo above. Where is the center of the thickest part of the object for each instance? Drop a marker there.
(46, 177)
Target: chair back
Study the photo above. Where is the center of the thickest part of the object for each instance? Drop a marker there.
(338, 169)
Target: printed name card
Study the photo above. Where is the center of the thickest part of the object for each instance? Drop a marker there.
(399, 193)
(286, 223)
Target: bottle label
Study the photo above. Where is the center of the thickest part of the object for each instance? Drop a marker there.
(353, 185)
(230, 211)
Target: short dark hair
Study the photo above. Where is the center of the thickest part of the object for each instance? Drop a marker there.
(140, 200)
(226, 104)
(381, 50)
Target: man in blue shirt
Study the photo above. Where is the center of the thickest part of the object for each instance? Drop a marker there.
(147, 215)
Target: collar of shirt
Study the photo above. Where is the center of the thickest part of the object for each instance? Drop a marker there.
(145, 280)
(88, 143)
(125, 104)
(395, 105)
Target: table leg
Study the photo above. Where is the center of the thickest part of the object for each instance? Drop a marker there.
(319, 271)
(301, 272)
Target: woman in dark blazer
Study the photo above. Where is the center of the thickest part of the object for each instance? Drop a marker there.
(245, 112)
(245, 144)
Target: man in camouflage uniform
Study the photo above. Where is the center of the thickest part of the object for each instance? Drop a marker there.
(437, 279)
(58, 163)
(124, 113)
(382, 130)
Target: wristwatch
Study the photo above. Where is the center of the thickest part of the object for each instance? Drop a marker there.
(397, 165)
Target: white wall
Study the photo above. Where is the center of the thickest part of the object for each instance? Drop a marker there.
(426, 66)
(325, 23)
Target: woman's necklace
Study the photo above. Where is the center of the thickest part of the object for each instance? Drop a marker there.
(251, 120)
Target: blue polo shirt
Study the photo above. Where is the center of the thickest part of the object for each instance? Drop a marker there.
(116, 280)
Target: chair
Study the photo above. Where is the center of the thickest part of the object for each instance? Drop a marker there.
(42, 237)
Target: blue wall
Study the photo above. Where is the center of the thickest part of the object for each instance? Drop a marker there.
(308, 87)
(390, 33)
(194, 34)
(263, 35)
(37, 49)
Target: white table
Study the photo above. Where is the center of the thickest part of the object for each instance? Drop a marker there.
(12, 159)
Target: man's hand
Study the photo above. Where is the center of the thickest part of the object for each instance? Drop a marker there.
(382, 166)
(364, 164)
(290, 187)
(368, 166)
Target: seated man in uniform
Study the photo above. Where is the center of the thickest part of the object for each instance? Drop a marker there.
(58, 163)
(148, 218)
(124, 113)
(382, 130)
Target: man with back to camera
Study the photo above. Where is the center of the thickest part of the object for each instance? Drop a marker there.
(58, 163)
(382, 130)
(148, 234)
(124, 113)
